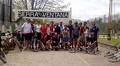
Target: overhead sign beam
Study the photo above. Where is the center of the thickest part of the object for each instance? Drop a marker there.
(42, 14)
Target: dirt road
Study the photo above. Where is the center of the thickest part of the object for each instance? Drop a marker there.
(56, 58)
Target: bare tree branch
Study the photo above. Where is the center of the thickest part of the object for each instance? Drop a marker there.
(32, 4)
(26, 4)
(35, 4)
(40, 4)
(44, 4)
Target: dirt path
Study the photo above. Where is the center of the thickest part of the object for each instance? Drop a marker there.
(56, 58)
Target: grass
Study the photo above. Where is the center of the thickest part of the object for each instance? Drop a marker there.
(114, 42)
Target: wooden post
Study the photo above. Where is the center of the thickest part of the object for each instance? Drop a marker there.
(110, 20)
(10, 10)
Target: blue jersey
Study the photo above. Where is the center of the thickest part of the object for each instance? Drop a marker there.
(94, 30)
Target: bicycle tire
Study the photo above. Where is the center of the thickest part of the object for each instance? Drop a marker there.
(2, 56)
(3, 60)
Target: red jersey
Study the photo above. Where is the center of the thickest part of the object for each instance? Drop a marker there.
(43, 29)
(82, 29)
(52, 27)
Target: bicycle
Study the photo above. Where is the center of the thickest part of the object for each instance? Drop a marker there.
(11, 42)
(113, 56)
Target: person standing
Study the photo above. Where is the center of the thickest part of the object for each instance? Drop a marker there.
(27, 30)
(70, 26)
(61, 26)
(81, 29)
(52, 27)
(85, 30)
(33, 28)
(37, 30)
(57, 29)
(94, 31)
(48, 29)
(75, 36)
(43, 29)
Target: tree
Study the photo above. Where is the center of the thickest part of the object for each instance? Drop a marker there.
(102, 25)
(40, 4)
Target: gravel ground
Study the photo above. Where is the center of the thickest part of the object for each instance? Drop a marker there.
(56, 58)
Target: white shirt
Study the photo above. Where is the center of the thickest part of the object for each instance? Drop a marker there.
(61, 27)
(27, 27)
(37, 28)
(86, 33)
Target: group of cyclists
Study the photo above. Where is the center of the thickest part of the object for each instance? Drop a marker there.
(55, 36)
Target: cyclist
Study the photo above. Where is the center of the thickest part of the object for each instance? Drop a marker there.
(27, 30)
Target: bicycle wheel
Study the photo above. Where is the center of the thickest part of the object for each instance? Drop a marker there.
(3, 59)
(18, 44)
(5, 47)
(2, 56)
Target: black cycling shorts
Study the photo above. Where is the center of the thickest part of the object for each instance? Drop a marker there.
(28, 36)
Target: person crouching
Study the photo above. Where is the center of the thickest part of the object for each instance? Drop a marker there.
(55, 41)
(91, 45)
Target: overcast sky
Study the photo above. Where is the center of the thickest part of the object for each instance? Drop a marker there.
(87, 9)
